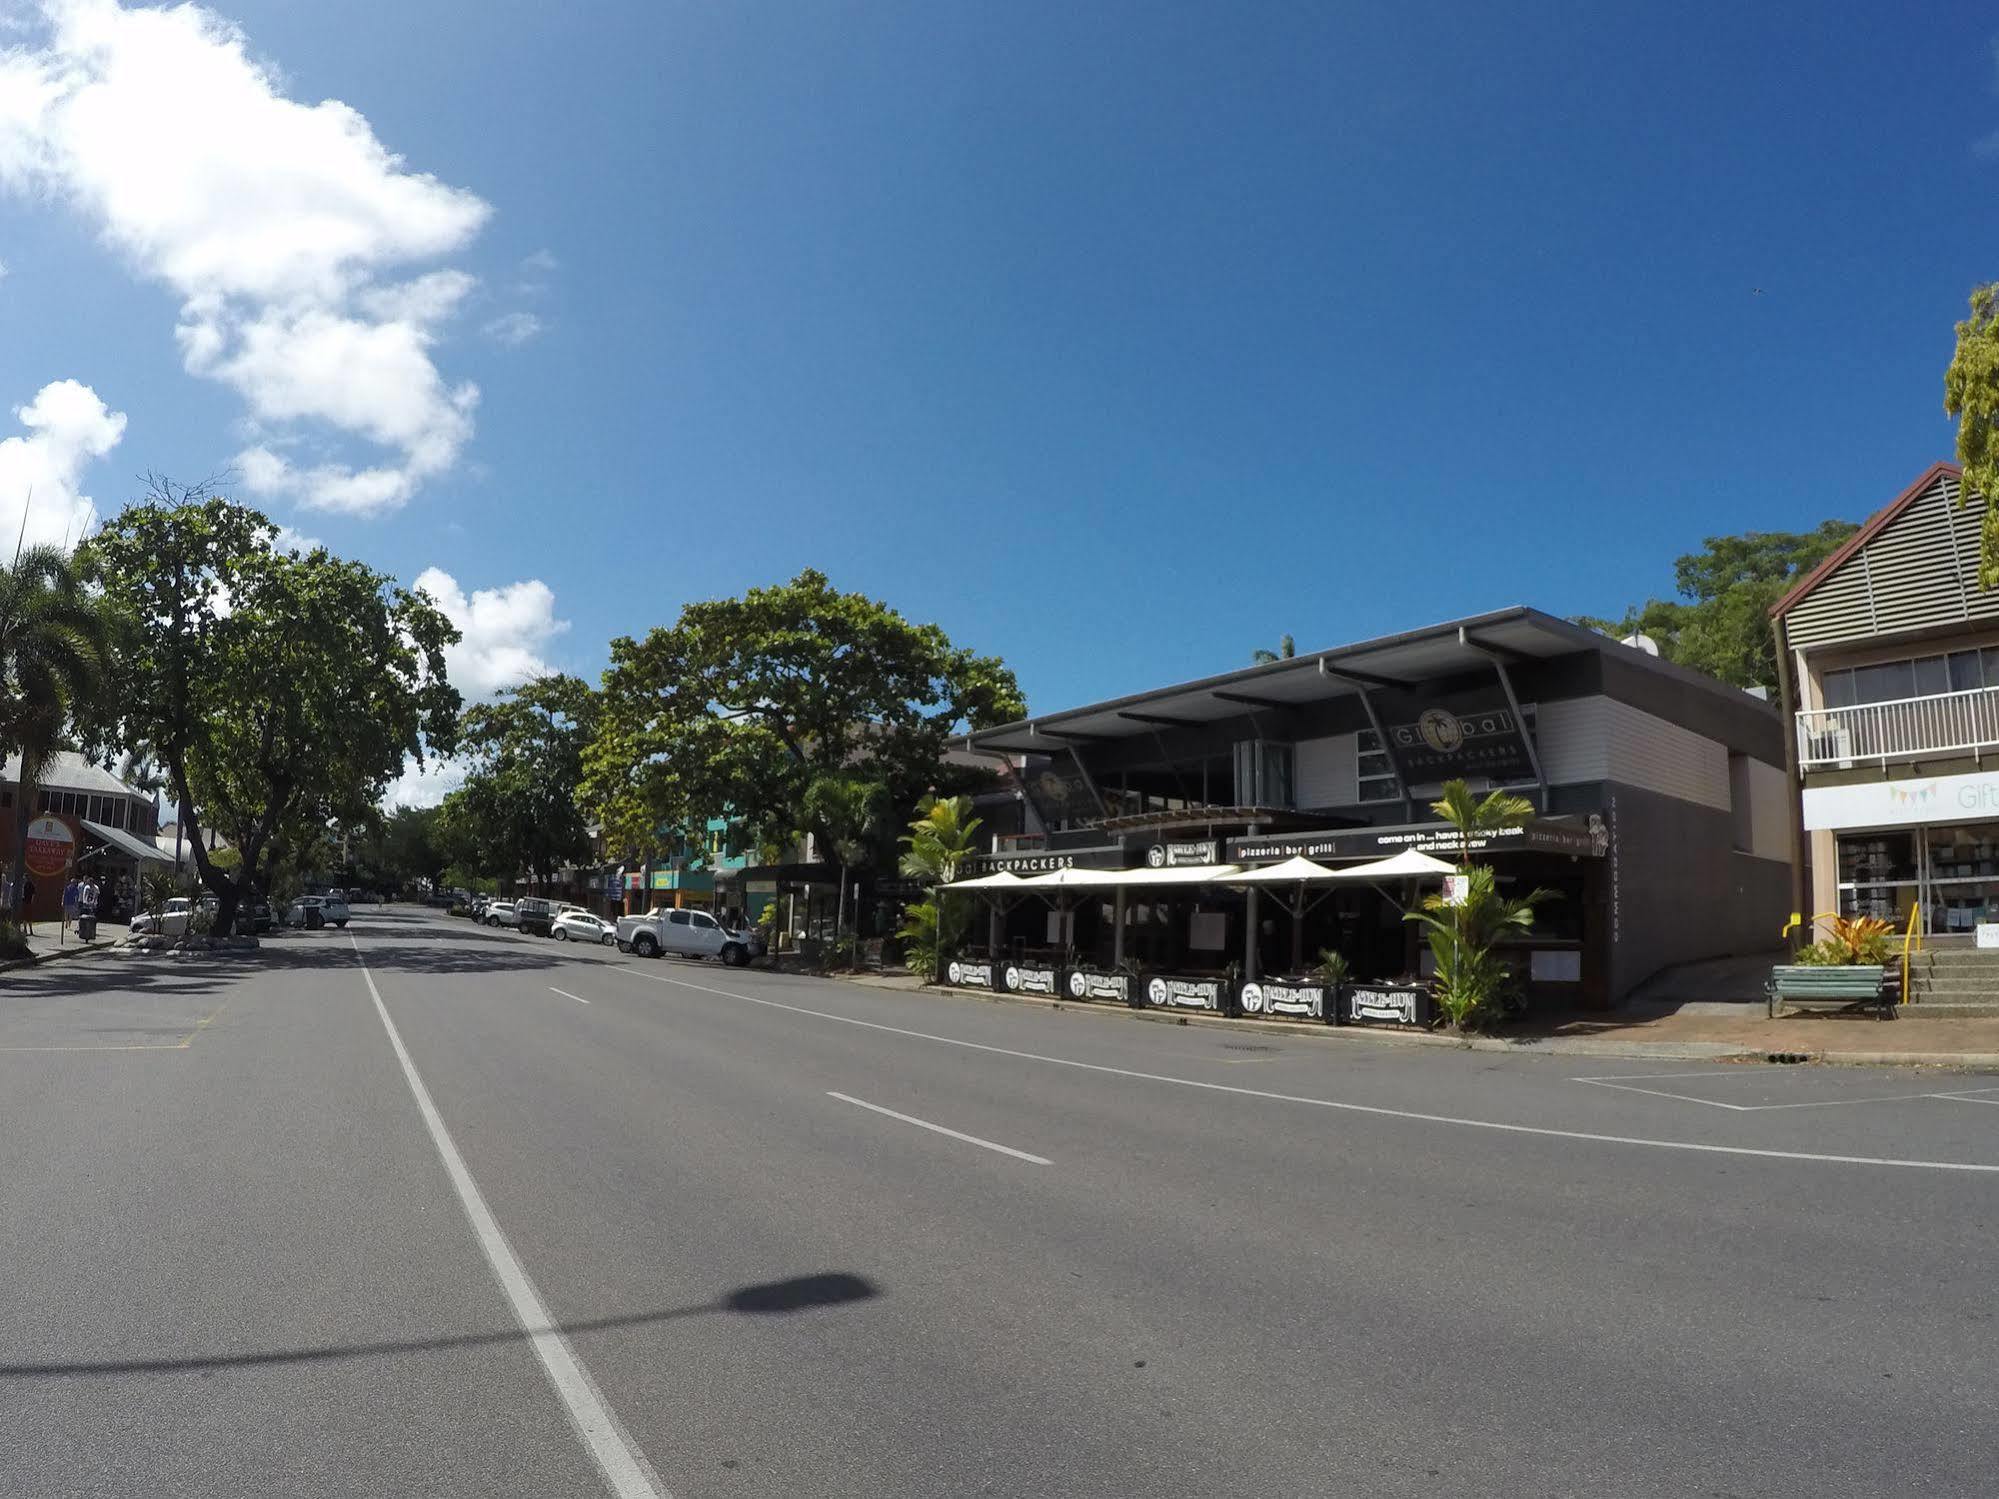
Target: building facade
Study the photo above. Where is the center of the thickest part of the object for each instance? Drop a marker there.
(1659, 794)
(84, 820)
(1891, 655)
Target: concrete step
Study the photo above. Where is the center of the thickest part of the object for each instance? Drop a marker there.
(1944, 1009)
(1956, 957)
(1940, 983)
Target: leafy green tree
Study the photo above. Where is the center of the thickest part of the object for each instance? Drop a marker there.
(279, 692)
(743, 705)
(1286, 649)
(1971, 394)
(1720, 624)
(54, 665)
(518, 808)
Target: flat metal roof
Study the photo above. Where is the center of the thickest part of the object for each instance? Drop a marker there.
(1409, 659)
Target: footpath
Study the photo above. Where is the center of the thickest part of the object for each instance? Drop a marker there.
(48, 943)
(1692, 1031)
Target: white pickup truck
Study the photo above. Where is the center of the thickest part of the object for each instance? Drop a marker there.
(689, 934)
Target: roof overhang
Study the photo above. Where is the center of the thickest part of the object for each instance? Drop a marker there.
(1409, 660)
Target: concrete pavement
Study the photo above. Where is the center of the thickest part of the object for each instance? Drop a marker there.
(769, 1217)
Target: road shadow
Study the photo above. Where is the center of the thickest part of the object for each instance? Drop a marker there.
(772, 1298)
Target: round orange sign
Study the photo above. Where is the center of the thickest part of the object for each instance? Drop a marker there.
(49, 846)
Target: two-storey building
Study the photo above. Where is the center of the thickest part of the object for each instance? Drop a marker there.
(1890, 651)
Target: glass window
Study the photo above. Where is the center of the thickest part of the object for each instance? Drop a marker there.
(1884, 682)
(1932, 675)
(677, 918)
(1964, 673)
(703, 921)
(1991, 659)
(1838, 688)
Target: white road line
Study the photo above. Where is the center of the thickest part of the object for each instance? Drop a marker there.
(624, 1467)
(1019, 1155)
(1964, 1098)
(1977, 1167)
(567, 995)
(1615, 1081)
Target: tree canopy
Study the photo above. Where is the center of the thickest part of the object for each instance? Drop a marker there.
(1971, 394)
(745, 705)
(277, 690)
(1720, 624)
(518, 809)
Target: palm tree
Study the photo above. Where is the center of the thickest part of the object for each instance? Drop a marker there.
(938, 841)
(1472, 816)
(1286, 649)
(54, 654)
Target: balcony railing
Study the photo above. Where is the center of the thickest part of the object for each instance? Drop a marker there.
(1944, 723)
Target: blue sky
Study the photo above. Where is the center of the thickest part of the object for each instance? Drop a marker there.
(1119, 339)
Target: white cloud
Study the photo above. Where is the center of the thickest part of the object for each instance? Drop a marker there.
(68, 429)
(288, 540)
(504, 630)
(514, 329)
(3, 270)
(427, 785)
(278, 224)
(541, 263)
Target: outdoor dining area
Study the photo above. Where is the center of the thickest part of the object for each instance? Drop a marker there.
(1297, 939)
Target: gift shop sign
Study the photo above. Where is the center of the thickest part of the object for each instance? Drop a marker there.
(1874, 804)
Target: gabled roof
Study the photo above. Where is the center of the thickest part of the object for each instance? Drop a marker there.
(69, 771)
(1874, 525)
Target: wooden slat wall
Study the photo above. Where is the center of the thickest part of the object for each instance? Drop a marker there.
(1922, 571)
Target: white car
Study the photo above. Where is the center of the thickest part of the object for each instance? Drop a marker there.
(575, 925)
(331, 908)
(172, 922)
(688, 934)
(500, 913)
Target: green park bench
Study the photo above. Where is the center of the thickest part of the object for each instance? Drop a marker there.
(1853, 988)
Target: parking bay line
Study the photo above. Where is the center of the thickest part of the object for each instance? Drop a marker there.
(567, 995)
(1618, 1080)
(1980, 1168)
(1019, 1155)
(618, 1458)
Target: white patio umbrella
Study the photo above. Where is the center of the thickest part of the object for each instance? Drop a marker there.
(1409, 864)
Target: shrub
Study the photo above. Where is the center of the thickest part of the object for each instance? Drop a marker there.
(1332, 969)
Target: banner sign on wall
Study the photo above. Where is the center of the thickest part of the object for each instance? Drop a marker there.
(1085, 983)
(969, 975)
(1030, 978)
(1184, 855)
(1043, 861)
(1278, 997)
(1184, 994)
(1383, 1004)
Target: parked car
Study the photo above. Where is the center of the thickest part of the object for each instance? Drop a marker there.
(499, 913)
(262, 919)
(171, 922)
(577, 925)
(534, 915)
(689, 934)
(317, 910)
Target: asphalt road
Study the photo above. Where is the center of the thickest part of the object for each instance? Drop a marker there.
(779, 1236)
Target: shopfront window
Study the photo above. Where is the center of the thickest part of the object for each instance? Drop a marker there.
(1963, 876)
(1879, 874)
(1919, 676)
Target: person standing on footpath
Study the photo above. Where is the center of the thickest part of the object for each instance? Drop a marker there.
(72, 892)
(86, 909)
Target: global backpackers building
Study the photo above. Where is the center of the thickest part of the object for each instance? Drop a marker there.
(1891, 656)
(1659, 795)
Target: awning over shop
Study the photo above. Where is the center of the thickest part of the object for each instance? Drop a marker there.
(1006, 879)
(1409, 864)
(120, 842)
(1111, 879)
(1293, 871)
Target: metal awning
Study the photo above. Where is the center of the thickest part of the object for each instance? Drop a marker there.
(1408, 660)
(121, 842)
